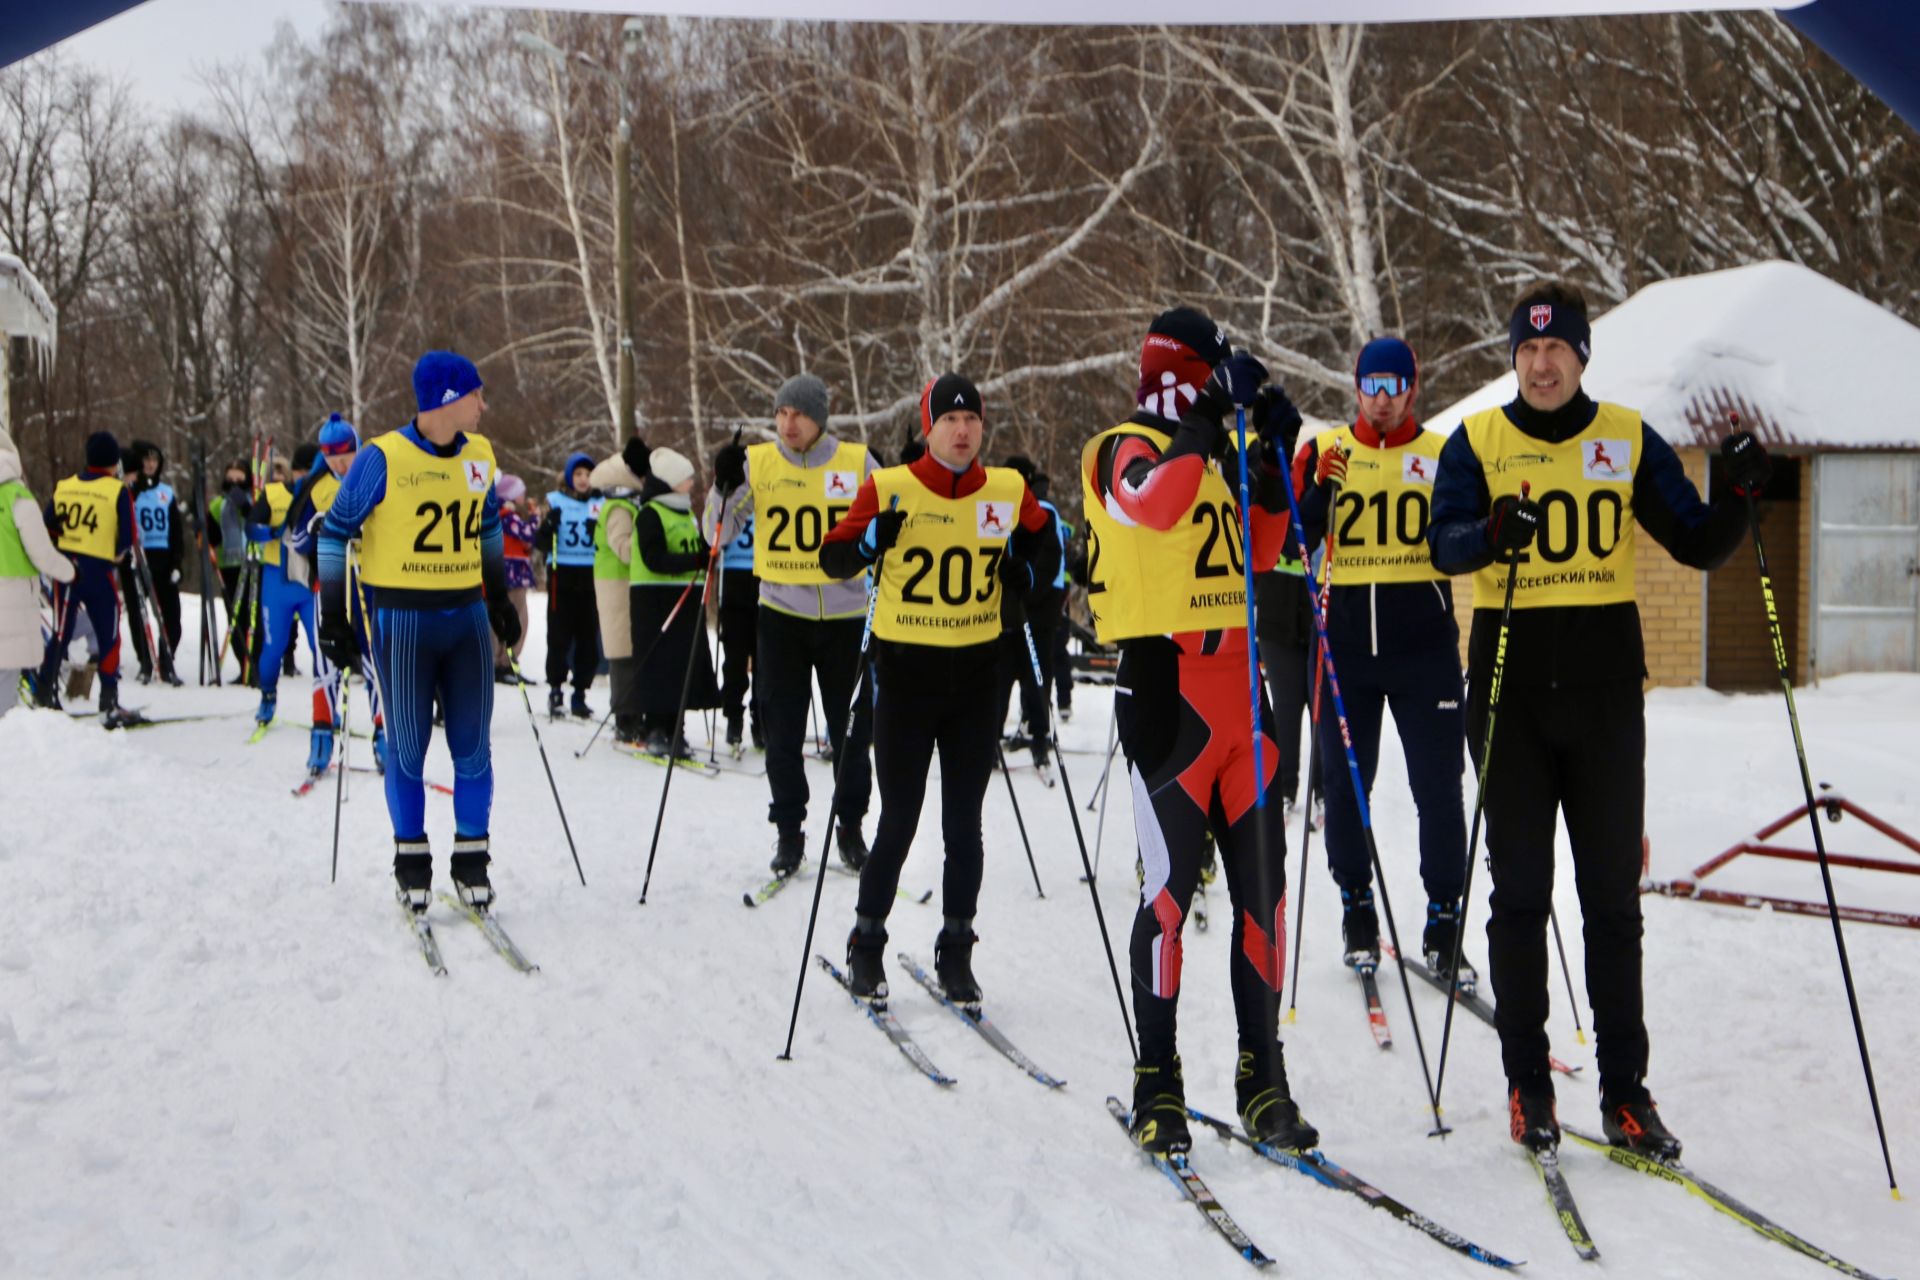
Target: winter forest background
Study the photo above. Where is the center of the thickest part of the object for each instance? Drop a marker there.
(877, 203)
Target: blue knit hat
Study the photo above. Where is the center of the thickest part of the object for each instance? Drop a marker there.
(103, 451)
(337, 436)
(441, 377)
(1386, 355)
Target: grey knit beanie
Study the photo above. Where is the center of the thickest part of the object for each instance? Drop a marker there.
(806, 393)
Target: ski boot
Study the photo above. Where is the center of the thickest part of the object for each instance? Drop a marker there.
(1267, 1110)
(470, 881)
(1630, 1119)
(1441, 940)
(413, 874)
(867, 960)
(580, 707)
(789, 851)
(1359, 928)
(269, 703)
(1531, 1116)
(656, 743)
(953, 962)
(626, 731)
(48, 697)
(1158, 1122)
(1066, 714)
(734, 747)
(556, 703)
(380, 749)
(111, 714)
(759, 739)
(319, 750)
(171, 676)
(145, 676)
(853, 845)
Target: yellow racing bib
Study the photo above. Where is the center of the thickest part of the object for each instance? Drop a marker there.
(1148, 582)
(940, 584)
(280, 498)
(793, 507)
(324, 491)
(89, 515)
(1583, 554)
(1379, 521)
(425, 534)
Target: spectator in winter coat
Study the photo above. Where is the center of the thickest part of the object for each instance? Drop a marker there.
(618, 480)
(518, 528)
(26, 552)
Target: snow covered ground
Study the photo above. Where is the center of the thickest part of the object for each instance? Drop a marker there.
(217, 1064)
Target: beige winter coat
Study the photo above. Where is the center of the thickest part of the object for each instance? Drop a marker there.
(20, 643)
(614, 479)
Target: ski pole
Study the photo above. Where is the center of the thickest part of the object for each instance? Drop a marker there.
(1100, 824)
(1573, 1002)
(1479, 802)
(1313, 760)
(696, 645)
(1092, 881)
(1359, 788)
(651, 645)
(1813, 812)
(344, 735)
(1113, 744)
(534, 723)
(1018, 820)
(863, 670)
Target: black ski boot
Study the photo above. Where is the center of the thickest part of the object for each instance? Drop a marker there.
(1629, 1119)
(1267, 1110)
(112, 716)
(789, 851)
(953, 962)
(1159, 1120)
(853, 845)
(413, 874)
(1531, 1116)
(1441, 939)
(580, 707)
(48, 697)
(867, 959)
(470, 858)
(1360, 928)
(626, 731)
(556, 703)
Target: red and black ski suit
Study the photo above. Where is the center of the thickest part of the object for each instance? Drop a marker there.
(1185, 723)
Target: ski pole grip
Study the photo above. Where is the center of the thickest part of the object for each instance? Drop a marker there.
(1525, 489)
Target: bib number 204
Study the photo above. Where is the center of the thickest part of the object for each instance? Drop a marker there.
(462, 525)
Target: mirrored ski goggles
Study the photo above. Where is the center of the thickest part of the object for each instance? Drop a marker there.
(1383, 384)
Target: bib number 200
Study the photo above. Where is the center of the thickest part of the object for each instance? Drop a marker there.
(463, 526)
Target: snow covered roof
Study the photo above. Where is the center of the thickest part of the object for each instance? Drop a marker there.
(25, 309)
(1782, 345)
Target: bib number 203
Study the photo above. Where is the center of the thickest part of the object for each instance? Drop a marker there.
(954, 580)
(462, 525)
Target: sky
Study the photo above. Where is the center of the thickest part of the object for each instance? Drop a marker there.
(160, 47)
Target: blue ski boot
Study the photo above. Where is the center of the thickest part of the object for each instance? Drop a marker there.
(268, 704)
(320, 750)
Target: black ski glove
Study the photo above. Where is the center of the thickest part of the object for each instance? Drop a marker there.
(504, 619)
(336, 632)
(1015, 574)
(882, 532)
(1748, 466)
(730, 467)
(1512, 524)
(1234, 383)
(1276, 420)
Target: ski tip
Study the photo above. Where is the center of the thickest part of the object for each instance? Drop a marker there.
(747, 898)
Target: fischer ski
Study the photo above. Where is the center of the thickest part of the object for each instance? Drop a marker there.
(1674, 1172)
(1181, 1174)
(1560, 1196)
(882, 1017)
(495, 935)
(768, 891)
(978, 1021)
(423, 935)
(684, 764)
(259, 732)
(1474, 1003)
(1315, 1165)
(1376, 1012)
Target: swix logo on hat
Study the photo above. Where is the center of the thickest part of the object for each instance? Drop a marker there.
(1416, 468)
(842, 484)
(993, 519)
(477, 479)
(1605, 460)
(1540, 316)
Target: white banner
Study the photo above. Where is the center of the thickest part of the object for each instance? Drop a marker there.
(1130, 12)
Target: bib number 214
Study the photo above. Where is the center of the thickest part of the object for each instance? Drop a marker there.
(462, 525)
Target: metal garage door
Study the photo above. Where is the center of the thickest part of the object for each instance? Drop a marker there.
(1868, 558)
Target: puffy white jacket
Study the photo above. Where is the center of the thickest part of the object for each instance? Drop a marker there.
(20, 643)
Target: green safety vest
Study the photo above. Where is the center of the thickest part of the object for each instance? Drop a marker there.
(14, 561)
(607, 565)
(683, 534)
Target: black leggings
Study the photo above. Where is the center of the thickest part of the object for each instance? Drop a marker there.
(928, 697)
(573, 626)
